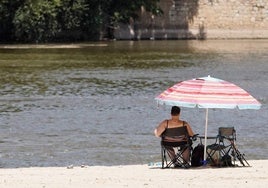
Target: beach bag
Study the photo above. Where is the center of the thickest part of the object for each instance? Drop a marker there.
(197, 156)
(215, 158)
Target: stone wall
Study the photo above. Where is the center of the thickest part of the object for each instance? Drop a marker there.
(201, 19)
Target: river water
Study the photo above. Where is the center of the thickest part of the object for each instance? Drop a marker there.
(93, 104)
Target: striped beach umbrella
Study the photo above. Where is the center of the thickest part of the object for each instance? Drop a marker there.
(207, 92)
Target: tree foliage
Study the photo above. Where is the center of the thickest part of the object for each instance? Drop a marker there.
(35, 21)
(66, 20)
(7, 12)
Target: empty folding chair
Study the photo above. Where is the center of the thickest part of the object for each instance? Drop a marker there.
(224, 151)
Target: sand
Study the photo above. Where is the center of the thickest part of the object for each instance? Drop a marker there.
(135, 176)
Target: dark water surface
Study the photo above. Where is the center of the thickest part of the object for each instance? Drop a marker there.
(94, 104)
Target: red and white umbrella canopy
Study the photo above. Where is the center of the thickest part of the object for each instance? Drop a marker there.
(207, 92)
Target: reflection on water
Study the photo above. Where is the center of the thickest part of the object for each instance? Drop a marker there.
(94, 104)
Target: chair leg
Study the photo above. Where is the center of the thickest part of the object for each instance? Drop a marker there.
(181, 160)
(236, 154)
(164, 158)
(240, 157)
(176, 159)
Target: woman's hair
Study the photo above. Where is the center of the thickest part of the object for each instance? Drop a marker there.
(175, 110)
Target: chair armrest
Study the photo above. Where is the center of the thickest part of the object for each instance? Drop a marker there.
(194, 137)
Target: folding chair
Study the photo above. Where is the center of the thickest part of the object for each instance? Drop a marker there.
(224, 151)
(175, 141)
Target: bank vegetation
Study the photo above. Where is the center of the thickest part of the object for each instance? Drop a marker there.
(41, 21)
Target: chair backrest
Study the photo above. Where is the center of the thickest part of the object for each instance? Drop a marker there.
(175, 134)
(227, 132)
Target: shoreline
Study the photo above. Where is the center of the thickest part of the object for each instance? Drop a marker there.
(79, 45)
(136, 176)
(51, 46)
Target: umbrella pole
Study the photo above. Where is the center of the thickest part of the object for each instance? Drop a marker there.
(205, 144)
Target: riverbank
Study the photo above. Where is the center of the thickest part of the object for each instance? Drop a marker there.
(51, 46)
(135, 176)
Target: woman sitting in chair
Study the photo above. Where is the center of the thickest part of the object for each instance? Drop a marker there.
(174, 122)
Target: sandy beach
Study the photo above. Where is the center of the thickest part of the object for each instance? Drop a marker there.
(135, 176)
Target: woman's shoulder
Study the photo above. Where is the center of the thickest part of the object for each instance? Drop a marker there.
(185, 123)
(164, 122)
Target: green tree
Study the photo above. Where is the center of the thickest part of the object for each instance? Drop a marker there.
(57, 20)
(7, 11)
(66, 20)
(35, 21)
(78, 20)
